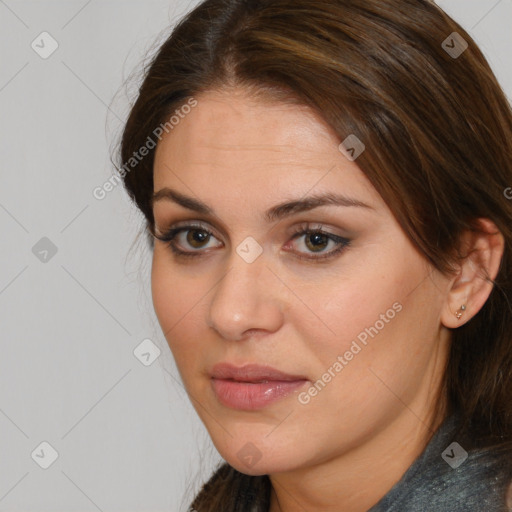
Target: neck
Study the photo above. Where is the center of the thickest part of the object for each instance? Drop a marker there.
(356, 480)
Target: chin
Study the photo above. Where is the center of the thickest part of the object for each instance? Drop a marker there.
(252, 459)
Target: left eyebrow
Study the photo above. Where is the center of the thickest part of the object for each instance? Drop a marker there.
(278, 212)
(288, 208)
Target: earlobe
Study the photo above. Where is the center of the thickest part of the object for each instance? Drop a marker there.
(460, 312)
(454, 316)
(479, 266)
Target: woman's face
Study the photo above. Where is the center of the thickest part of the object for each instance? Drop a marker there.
(350, 313)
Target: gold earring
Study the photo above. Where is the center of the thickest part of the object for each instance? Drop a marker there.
(458, 313)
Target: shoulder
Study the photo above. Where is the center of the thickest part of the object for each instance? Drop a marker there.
(482, 482)
(447, 478)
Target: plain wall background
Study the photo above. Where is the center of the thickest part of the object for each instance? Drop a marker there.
(126, 435)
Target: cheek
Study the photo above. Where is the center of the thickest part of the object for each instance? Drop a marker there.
(164, 293)
(372, 320)
(379, 342)
(353, 309)
(177, 302)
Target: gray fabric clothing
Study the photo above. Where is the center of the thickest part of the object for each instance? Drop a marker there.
(445, 477)
(434, 483)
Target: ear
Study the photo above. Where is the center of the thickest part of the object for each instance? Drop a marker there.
(479, 266)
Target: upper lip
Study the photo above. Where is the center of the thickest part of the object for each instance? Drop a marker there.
(251, 373)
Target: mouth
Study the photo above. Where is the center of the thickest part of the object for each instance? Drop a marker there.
(252, 373)
(252, 386)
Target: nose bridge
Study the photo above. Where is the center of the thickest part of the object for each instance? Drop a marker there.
(246, 297)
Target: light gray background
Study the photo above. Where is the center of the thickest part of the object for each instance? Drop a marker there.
(126, 435)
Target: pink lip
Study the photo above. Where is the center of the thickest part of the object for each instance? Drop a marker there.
(242, 387)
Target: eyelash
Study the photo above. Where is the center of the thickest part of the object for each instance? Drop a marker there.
(301, 230)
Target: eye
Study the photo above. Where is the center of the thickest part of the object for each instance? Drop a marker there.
(316, 240)
(198, 236)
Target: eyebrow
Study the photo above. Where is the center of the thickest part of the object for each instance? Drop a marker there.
(273, 214)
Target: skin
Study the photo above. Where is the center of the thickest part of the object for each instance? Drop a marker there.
(355, 439)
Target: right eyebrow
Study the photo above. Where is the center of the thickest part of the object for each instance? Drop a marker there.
(273, 214)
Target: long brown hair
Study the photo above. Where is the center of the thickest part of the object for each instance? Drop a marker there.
(438, 134)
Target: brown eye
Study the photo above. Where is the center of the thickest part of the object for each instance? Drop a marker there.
(317, 241)
(197, 237)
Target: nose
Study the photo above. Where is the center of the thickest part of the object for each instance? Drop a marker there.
(247, 300)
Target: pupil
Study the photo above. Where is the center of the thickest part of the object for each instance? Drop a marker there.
(197, 236)
(317, 239)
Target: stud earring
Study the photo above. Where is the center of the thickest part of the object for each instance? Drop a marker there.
(459, 313)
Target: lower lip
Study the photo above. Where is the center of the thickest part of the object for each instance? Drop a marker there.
(250, 396)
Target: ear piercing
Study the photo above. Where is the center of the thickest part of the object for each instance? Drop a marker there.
(459, 312)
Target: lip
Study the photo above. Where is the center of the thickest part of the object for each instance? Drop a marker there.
(251, 373)
(252, 386)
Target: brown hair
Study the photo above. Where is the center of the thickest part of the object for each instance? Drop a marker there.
(438, 134)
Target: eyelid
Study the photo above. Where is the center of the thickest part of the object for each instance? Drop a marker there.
(185, 224)
(169, 235)
(305, 228)
(292, 230)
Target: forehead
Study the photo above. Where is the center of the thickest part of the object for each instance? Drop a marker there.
(233, 145)
(235, 121)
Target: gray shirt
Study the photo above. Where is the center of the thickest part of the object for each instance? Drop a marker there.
(444, 478)
(447, 478)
